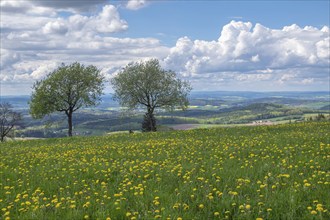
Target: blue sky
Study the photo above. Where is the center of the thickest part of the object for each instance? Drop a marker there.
(205, 19)
(216, 45)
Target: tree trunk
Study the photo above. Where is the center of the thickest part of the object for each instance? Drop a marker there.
(152, 122)
(70, 123)
(149, 122)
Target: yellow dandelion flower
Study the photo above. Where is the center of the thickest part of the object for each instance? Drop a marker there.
(313, 212)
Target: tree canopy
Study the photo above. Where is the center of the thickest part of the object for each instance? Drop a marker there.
(8, 119)
(146, 84)
(67, 89)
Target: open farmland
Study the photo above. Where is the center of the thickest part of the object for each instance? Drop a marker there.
(268, 172)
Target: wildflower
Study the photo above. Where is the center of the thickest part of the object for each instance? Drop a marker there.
(307, 184)
(313, 212)
(319, 207)
(233, 193)
(201, 206)
(86, 204)
(216, 213)
(185, 207)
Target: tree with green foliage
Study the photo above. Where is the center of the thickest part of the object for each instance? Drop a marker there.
(8, 119)
(67, 89)
(146, 84)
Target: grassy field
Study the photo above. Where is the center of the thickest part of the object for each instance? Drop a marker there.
(259, 172)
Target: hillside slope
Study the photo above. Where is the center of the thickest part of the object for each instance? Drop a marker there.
(269, 172)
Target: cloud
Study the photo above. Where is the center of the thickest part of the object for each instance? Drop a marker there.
(24, 31)
(70, 5)
(8, 58)
(19, 6)
(55, 27)
(307, 81)
(107, 21)
(245, 55)
(253, 53)
(33, 45)
(135, 4)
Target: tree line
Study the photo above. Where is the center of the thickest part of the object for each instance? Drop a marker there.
(71, 87)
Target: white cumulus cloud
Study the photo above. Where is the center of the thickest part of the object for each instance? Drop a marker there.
(32, 45)
(135, 4)
(254, 52)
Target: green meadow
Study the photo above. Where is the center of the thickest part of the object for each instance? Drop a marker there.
(256, 172)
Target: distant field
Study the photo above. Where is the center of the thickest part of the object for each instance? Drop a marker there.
(256, 172)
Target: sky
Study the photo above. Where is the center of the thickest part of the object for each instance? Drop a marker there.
(215, 45)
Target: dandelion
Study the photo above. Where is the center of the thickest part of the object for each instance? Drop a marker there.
(185, 207)
(319, 207)
(313, 212)
(86, 204)
(307, 184)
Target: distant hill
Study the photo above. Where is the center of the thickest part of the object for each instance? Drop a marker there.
(327, 108)
(212, 97)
